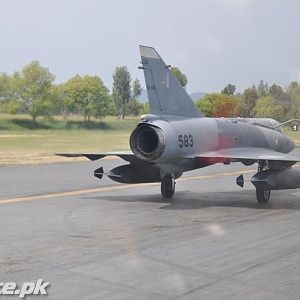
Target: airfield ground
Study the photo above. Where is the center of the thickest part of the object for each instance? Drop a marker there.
(103, 240)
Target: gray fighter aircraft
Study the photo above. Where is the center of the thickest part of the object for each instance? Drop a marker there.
(176, 137)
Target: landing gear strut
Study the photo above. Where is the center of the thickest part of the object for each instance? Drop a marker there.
(263, 194)
(262, 165)
(168, 186)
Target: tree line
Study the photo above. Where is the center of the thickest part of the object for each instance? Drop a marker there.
(33, 91)
(261, 101)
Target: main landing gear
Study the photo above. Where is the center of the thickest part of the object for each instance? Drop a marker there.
(263, 194)
(263, 190)
(168, 186)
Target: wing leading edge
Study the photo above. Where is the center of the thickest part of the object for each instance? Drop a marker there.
(126, 155)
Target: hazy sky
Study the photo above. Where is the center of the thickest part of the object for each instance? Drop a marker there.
(214, 42)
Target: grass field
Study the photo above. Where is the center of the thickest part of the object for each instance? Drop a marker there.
(22, 142)
(294, 135)
(25, 142)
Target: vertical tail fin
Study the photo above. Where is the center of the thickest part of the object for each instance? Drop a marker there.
(165, 93)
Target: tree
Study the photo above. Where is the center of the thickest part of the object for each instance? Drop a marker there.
(249, 99)
(294, 84)
(145, 108)
(227, 106)
(262, 89)
(88, 94)
(10, 92)
(5, 82)
(282, 97)
(229, 89)
(63, 103)
(276, 91)
(220, 105)
(180, 76)
(134, 107)
(4, 91)
(35, 84)
(206, 105)
(267, 107)
(121, 93)
(294, 94)
(12, 107)
(136, 89)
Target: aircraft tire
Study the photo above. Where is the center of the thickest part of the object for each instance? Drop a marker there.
(263, 195)
(168, 186)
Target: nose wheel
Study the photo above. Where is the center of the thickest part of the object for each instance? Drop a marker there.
(263, 195)
(168, 186)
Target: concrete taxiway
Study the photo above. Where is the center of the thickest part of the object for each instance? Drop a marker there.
(96, 239)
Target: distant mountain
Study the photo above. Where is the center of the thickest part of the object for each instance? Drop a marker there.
(195, 96)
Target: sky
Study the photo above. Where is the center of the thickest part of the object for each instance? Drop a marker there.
(214, 42)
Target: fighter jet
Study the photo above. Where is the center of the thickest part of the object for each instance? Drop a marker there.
(175, 137)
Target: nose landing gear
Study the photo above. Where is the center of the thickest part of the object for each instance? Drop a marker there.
(168, 186)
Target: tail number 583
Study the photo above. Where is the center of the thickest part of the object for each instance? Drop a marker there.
(185, 140)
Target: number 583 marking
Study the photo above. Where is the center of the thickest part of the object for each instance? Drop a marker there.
(185, 140)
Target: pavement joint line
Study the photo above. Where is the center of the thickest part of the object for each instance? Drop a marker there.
(111, 188)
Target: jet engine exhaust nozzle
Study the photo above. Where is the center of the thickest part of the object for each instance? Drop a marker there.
(147, 142)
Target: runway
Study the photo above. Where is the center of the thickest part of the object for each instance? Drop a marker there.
(96, 239)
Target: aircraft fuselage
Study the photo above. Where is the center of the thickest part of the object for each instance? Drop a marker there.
(186, 137)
